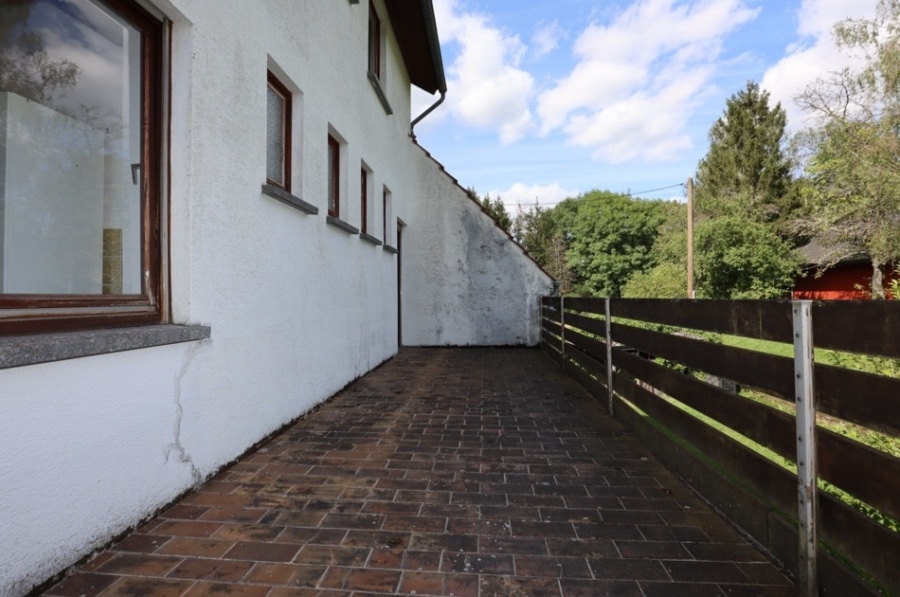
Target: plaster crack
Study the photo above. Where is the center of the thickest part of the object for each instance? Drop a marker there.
(183, 455)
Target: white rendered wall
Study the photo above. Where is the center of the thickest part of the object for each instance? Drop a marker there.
(297, 308)
(465, 282)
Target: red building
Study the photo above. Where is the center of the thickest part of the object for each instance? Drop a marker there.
(849, 278)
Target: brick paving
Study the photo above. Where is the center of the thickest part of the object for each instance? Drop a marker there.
(467, 472)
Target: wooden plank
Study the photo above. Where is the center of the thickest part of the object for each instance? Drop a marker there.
(873, 547)
(551, 351)
(593, 386)
(588, 305)
(776, 484)
(550, 301)
(866, 473)
(553, 328)
(550, 314)
(594, 326)
(594, 367)
(768, 320)
(862, 398)
(766, 372)
(594, 348)
(766, 426)
(868, 327)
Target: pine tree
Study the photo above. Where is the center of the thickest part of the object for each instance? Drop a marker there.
(747, 172)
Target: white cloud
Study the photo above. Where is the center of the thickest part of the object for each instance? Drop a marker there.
(639, 77)
(546, 38)
(488, 89)
(526, 195)
(814, 55)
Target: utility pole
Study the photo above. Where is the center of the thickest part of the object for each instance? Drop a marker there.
(690, 238)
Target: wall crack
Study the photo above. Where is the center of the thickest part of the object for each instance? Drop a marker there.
(177, 447)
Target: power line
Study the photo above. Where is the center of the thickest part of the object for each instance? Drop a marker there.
(628, 194)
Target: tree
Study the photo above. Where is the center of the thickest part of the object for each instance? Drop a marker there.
(493, 208)
(25, 67)
(610, 237)
(747, 171)
(854, 164)
(668, 278)
(739, 259)
(537, 231)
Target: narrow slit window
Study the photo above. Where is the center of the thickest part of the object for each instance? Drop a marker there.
(374, 42)
(334, 177)
(278, 134)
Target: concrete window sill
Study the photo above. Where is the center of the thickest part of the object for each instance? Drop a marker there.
(289, 199)
(18, 351)
(369, 238)
(376, 85)
(342, 225)
(390, 249)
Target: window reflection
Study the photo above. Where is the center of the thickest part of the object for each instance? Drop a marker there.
(70, 150)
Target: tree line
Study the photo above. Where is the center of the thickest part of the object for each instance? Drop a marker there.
(760, 193)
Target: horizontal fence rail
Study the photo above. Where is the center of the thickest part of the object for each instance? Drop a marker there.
(728, 379)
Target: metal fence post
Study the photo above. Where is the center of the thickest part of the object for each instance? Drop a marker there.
(806, 445)
(562, 328)
(609, 369)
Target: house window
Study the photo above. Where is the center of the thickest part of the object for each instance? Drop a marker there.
(334, 177)
(374, 42)
(278, 134)
(80, 155)
(364, 200)
(386, 216)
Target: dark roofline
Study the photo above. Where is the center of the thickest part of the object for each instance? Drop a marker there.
(416, 31)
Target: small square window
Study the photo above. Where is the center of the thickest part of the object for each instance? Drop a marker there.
(278, 134)
(334, 177)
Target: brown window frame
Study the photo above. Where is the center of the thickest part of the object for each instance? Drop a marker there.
(45, 313)
(364, 200)
(374, 42)
(384, 217)
(287, 126)
(334, 172)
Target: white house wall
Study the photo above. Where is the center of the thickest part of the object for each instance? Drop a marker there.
(298, 308)
(465, 282)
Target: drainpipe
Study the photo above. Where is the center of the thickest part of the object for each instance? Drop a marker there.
(430, 109)
(434, 45)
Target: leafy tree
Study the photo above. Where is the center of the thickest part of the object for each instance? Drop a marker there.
(854, 168)
(747, 171)
(668, 278)
(610, 237)
(536, 229)
(25, 66)
(736, 258)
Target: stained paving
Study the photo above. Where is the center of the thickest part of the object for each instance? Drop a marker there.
(466, 472)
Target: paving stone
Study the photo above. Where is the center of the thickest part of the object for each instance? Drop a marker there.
(481, 472)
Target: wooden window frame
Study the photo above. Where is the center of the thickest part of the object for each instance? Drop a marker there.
(364, 200)
(334, 173)
(374, 42)
(46, 313)
(287, 127)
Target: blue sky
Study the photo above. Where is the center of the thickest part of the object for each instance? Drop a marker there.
(548, 99)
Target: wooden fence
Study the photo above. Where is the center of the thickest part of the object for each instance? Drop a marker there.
(733, 420)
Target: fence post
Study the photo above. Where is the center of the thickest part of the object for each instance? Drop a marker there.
(806, 445)
(609, 369)
(562, 328)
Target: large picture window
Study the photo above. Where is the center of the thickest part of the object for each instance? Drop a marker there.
(79, 165)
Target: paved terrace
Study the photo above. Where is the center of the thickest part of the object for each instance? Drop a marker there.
(444, 472)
